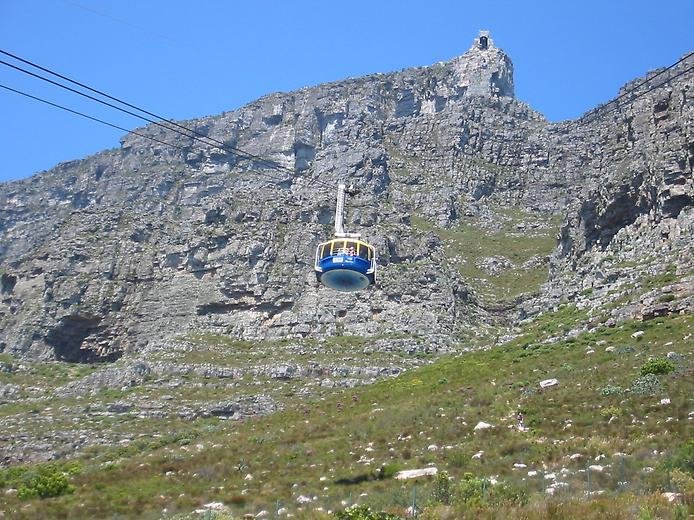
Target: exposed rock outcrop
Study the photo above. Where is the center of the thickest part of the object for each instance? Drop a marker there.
(103, 255)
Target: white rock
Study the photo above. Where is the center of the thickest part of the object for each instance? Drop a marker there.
(262, 514)
(609, 349)
(248, 477)
(647, 469)
(414, 473)
(550, 476)
(432, 447)
(637, 334)
(478, 455)
(532, 473)
(548, 382)
(282, 511)
(665, 401)
(213, 506)
(483, 426)
(671, 497)
(590, 351)
(597, 468)
(576, 456)
(549, 491)
(520, 465)
(301, 499)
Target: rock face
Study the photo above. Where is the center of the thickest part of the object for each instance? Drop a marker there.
(104, 255)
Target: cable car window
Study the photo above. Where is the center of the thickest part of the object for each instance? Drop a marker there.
(350, 248)
(364, 252)
(325, 251)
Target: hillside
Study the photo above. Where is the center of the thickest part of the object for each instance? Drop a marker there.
(162, 333)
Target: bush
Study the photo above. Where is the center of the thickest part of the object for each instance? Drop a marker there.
(443, 488)
(504, 492)
(646, 385)
(657, 366)
(364, 513)
(610, 411)
(683, 459)
(46, 481)
(609, 390)
(472, 489)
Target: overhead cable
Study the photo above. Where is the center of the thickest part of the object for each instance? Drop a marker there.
(159, 121)
(601, 111)
(96, 119)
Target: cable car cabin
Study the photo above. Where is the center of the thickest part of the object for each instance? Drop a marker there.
(346, 264)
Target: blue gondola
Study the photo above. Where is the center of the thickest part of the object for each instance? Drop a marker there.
(345, 264)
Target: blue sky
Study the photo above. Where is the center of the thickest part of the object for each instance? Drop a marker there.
(185, 59)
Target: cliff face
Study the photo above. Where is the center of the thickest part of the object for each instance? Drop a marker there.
(104, 255)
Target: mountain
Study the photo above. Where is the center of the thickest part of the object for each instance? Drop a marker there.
(103, 255)
(177, 280)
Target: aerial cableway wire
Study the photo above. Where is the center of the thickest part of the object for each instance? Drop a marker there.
(600, 111)
(87, 116)
(653, 87)
(163, 122)
(238, 153)
(96, 119)
(225, 146)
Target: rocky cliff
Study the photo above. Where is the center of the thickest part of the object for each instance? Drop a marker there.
(464, 190)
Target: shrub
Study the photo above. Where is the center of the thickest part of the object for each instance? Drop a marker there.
(682, 481)
(364, 513)
(657, 366)
(609, 390)
(443, 489)
(646, 385)
(504, 492)
(683, 459)
(45, 481)
(610, 411)
(472, 489)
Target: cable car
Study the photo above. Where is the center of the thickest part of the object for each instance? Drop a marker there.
(345, 263)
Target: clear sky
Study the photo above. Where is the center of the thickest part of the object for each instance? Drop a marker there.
(185, 59)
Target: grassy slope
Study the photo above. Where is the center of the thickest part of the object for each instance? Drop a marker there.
(467, 245)
(348, 435)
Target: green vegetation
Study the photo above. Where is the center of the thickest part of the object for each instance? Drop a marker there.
(40, 481)
(467, 246)
(364, 513)
(659, 280)
(657, 366)
(336, 439)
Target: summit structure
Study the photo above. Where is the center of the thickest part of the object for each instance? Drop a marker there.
(485, 70)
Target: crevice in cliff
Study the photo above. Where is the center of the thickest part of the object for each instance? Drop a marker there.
(69, 340)
(7, 283)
